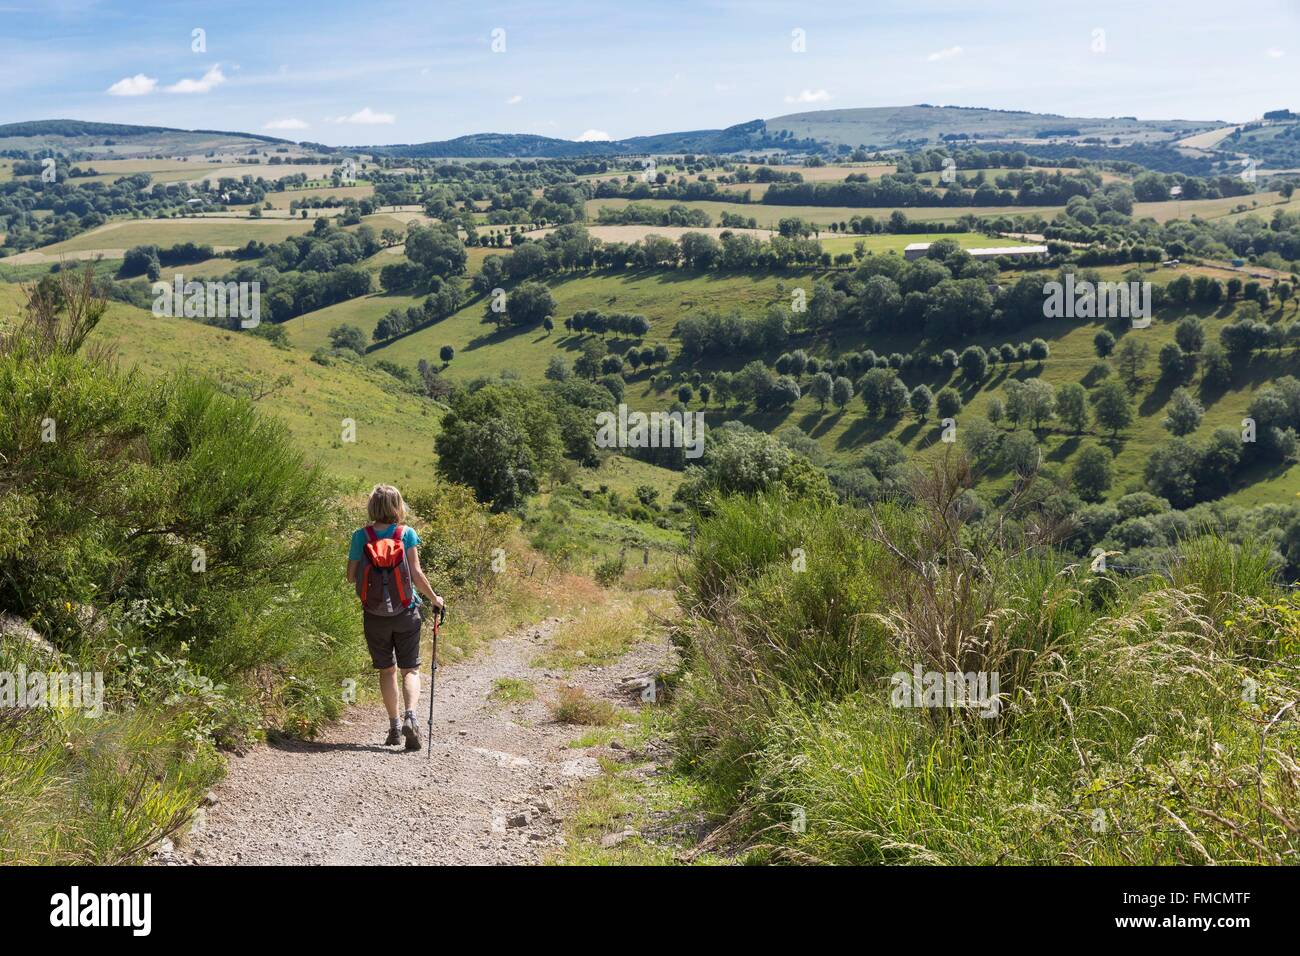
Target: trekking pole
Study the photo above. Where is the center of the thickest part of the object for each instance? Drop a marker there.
(439, 615)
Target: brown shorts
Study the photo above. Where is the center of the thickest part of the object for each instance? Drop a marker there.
(393, 640)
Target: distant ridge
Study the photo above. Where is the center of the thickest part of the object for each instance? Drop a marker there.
(834, 130)
(752, 135)
(71, 127)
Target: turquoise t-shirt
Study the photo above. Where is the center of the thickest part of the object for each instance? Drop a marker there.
(358, 548)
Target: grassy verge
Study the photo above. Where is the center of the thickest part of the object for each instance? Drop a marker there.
(637, 812)
(1130, 721)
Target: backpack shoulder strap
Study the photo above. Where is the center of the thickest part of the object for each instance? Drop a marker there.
(370, 533)
(398, 532)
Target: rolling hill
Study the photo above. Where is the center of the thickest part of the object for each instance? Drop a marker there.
(873, 127)
(889, 126)
(124, 141)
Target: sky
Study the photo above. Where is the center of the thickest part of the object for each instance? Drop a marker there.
(391, 71)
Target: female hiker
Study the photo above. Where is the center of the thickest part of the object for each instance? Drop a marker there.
(384, 565)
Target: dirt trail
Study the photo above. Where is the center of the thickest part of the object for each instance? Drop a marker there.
(496, 790)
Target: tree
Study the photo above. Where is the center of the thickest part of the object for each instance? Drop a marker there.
(348, 337)
(1112, 406)
(1174, 362)
(1171, 472)
(1217, 366)
(1131, 359)
(1093, 472)
(1020, 452)
(981, 440)
(556, 370)
(1190, 334)
(1185, 413)
(446, 353)
(995, 410)
(722, 387)
(820, 388)
(974, 364)
(1104, 343)
(529, 304)
(438, 250)
(1072, 406)
(948, 402)
(587, 364)
(895, 399)
(499, 441)
(1039, 350)
(873, 386)
(921, 400)
(841, 391)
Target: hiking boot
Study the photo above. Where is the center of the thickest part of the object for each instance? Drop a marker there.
(394, 737)
(412, 734)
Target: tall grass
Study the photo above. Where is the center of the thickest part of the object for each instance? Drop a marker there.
(1131, 726)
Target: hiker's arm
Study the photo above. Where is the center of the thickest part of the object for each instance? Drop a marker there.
(421, 582)
(352, 571)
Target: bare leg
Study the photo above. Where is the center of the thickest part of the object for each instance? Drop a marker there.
(388, 687)
(410, 688)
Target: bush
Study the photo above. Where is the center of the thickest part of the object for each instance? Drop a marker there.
(173, 521)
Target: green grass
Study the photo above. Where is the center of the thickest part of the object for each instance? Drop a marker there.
(511, 690)
(664, 809)
(480, 350)
(769, 217)
(893, 242)
(394, 429)
(788, 716)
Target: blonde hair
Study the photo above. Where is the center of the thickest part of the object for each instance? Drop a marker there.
(386, 505)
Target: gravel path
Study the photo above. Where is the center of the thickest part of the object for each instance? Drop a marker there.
(496, 790)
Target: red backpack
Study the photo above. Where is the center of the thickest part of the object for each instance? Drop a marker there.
(384, 580)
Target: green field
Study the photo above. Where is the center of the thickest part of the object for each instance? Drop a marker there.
(394, 429)
(166, 232)
(480, 350)
(890, 125)
(897, 242)
(282, 199)
(769, 217)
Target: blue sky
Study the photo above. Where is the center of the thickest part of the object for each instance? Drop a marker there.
(387, 71)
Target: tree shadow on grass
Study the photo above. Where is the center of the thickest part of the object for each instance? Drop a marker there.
(911, 431)
(1065, 449)
(498, 336)
(864, 430)
(1158, 396)
(827, 423)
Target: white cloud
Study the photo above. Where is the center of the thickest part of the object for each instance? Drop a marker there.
(945, 54)
(137, 85)
(514, 100)
(809, 96)
(208, 82)
(366, 117)
(1275, 53)
(289, 123)
(594, 136)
